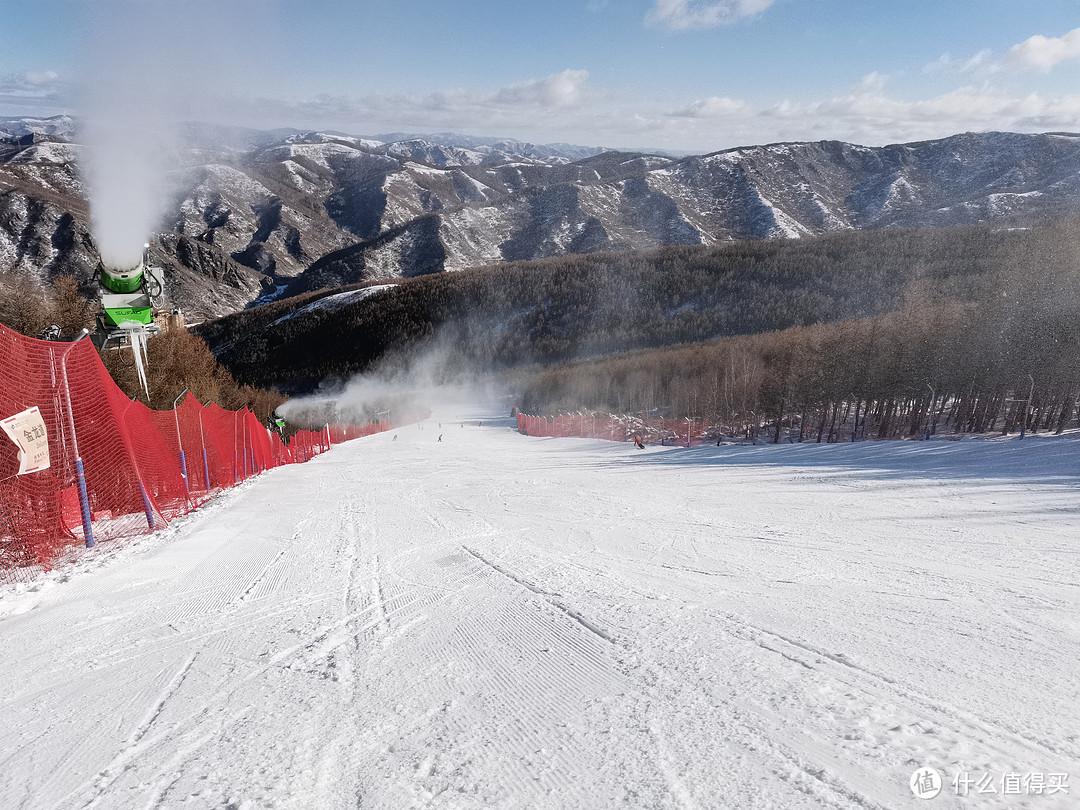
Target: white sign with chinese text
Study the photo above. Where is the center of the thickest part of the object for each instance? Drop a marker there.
(27, 430)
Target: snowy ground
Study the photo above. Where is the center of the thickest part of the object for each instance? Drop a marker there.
(500, 621)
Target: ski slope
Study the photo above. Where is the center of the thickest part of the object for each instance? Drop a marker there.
(496, 621)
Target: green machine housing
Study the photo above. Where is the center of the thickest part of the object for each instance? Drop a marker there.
(130, 296)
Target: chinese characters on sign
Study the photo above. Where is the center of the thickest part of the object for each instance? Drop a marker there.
(27, 430)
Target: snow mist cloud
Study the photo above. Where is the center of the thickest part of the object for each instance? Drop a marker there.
(151, 64)
(429, 386)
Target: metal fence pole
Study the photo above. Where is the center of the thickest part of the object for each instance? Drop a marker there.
(80, 472)
(205, 459)
(235, 455)
(180, 444)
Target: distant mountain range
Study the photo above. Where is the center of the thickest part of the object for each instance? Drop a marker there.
(261, 214)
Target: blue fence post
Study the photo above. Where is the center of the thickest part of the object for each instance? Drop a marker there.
(146, 505)
(148, 509)
(80, 471)
(84, 502)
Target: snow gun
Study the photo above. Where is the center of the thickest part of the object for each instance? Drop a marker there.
(129, 300)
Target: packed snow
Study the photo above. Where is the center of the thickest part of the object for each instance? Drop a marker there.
(452, 615)
(48, 152)
(336, 301)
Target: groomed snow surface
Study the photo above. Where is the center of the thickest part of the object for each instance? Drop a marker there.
(496, 621)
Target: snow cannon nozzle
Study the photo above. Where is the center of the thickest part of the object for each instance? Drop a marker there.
(121, 279)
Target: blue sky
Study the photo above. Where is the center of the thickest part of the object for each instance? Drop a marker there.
(690, 75)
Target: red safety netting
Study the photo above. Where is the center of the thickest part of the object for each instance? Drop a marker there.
(342, 433)
(118, 468)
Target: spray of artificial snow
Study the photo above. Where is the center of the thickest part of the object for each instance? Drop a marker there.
(150, 65)
(422, 389)
(127, 129)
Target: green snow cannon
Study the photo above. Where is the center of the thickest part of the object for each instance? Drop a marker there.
(130, 295)
(128, 301)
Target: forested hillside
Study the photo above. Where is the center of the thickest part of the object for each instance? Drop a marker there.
(566, 308)
(1005, 358)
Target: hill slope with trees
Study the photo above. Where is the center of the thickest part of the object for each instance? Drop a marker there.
(566, 308)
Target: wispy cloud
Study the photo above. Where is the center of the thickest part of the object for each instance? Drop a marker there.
(554, 105)
(683, 15)
(1038, 53)
(876, 109)
(874, 117)
(564, 107)
(33, 92)
(983, 61)
(1042, 53)
(558, 90)
(35, 83)
(711, 107)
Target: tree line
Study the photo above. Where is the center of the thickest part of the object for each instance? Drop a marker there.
(176, 359)
(566, 308)
(1005, 361)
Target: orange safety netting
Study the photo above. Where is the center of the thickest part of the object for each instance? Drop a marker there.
(118, 468)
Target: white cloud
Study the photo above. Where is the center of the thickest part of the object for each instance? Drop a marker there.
(1042, 53)
(558, 90)
(982, 62)
(870, 113)
(711, 107)
(877, 109)
(1034, 53)
(682, 15)
(41, 78)
(33, 93)
(548, 108)
(873, 117)
(31, 83)
(871, 83)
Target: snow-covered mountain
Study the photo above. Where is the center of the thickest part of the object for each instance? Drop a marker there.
(57, 126)
(290, 210)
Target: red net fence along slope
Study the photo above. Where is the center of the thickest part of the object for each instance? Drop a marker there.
(113, 467)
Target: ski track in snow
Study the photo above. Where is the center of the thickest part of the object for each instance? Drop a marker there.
(494, 621)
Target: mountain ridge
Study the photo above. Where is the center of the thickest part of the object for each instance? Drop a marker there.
(272, 213)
